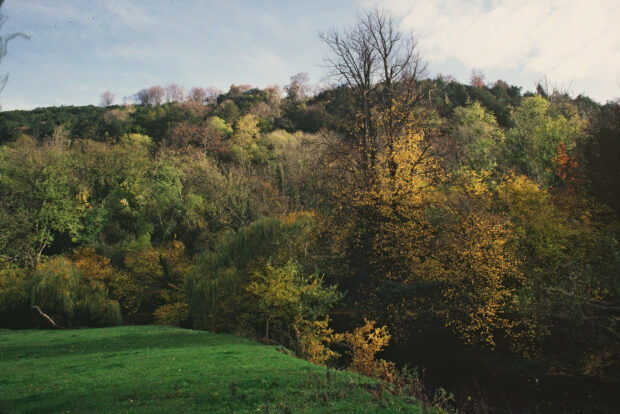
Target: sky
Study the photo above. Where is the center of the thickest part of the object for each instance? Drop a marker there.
(79, 49)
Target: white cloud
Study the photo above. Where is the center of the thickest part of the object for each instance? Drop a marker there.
(128, 14)
(569, 41)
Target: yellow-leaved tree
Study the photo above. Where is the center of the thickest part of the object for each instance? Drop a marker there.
(295, 306)
(425, 250)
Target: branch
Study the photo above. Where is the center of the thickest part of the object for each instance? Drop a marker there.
(599, 304)
(46, 317)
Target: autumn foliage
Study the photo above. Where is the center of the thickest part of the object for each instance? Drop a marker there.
(392, 215)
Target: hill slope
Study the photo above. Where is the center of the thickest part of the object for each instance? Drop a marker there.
(162, 369)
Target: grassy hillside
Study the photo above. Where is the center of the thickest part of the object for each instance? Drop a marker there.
(161, 369)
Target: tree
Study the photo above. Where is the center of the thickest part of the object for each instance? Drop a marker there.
(216, 288)
(107, 98)
(228, 111)
(290, 301)
(217, 132)
(156, 94)
(570, 261)
(298, 88)
(187, 133)
(4, 40)
(60, 289)
(212, 94)
(475, 141)
(245, 137)
(539, 128)
(602, 154)
(40, 199)
(365, 342)
(477, 78)
(150, 96)
(158, 273)
(197, 95)
(143, 96)
(382, 69)
(174, 93)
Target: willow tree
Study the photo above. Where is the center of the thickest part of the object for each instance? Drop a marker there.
(216, 288)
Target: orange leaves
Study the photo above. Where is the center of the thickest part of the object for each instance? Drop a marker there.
(92, 265)
(567, 166)
(313, 340)
(365, 342)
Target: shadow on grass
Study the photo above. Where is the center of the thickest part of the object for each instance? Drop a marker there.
(109, 400)
(44, 344)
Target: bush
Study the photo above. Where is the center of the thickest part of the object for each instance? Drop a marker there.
(14, 298)
(154, 284)
(216, 288)
(173, 314)
(55, 289)
(13, 289)
(365, 342)
(93, 308)
(297, 306)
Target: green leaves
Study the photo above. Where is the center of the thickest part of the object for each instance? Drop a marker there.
(41, 199)
(539, 129)
(285, 293)
(216, 288)
(477, 138)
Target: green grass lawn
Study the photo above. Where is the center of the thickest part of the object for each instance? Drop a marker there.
(171, 370)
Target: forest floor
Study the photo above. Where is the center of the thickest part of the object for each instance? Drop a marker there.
(155, 369)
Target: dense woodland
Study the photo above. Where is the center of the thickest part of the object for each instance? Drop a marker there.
(436, 221)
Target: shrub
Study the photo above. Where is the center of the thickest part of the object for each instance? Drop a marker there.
(14, 298)
(55, 290)
(154, 284)
(216, 287)
(365, 342)
(174, 314)
(297, 305)
(13, 289)
(94, 308)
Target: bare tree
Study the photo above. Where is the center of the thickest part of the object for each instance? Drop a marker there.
(143, 96)
(174, 93)
(4, 40)
(150, 96)
(212, 94)
(168, 93)
(383, 69)
(197, 95)
(477, 78)
(299, 86)
(107, 98)
(156, 95)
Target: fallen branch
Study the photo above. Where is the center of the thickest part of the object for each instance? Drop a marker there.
(45, 316)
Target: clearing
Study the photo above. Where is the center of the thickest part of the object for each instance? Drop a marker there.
(162, 369)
